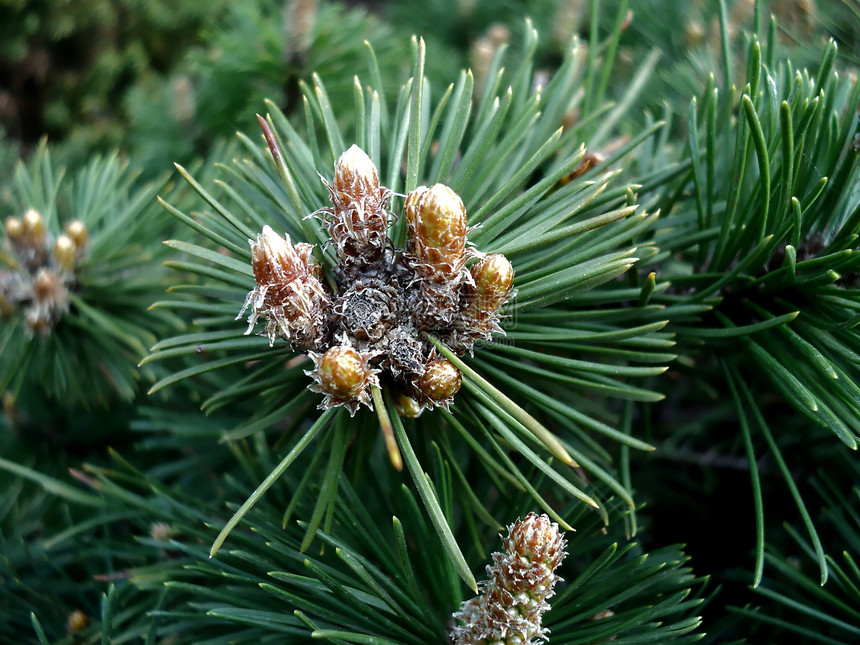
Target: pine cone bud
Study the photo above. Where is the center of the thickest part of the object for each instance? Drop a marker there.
(344, 376)
(65, 252)
(493, 277)
(367, 310)
(355, 175)
(521, 580)
(490, 287)
(14, 229)
(288, 294)
(77, 230)
(403, 354)
(358, 223)
(49, 301)
(33, 228)
(439, 382)
(436, 219)
(407, 406)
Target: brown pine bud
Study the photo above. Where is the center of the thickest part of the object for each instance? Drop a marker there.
(358, 223)
(436, 218)
(77, 230)
(344, 376)
(288, 293)
(355, 175)
(65, 252)
(439, 383)
(521, 580)
(46, 286)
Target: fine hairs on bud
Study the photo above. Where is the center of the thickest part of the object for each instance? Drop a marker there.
(514, 598)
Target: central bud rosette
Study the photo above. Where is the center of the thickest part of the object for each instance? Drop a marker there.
(369, 333)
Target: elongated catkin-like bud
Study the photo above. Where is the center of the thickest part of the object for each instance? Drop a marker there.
(358, 221)
(436, 218)
(514, 598)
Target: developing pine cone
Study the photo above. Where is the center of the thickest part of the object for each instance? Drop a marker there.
(514, 598)
(370, 332)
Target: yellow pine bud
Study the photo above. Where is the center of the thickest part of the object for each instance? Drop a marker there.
(65, 251)
(33, 227)
(436, 218)
(77, 231)
(407, 406)
(440, 381)
(342, 372)
(344, 376)
(14, 228)
(493, 276)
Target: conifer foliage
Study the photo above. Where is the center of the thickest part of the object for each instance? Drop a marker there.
(419, 344)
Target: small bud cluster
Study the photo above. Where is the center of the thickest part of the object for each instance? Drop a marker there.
(370, 329)
(521, 581)
(42, 269)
